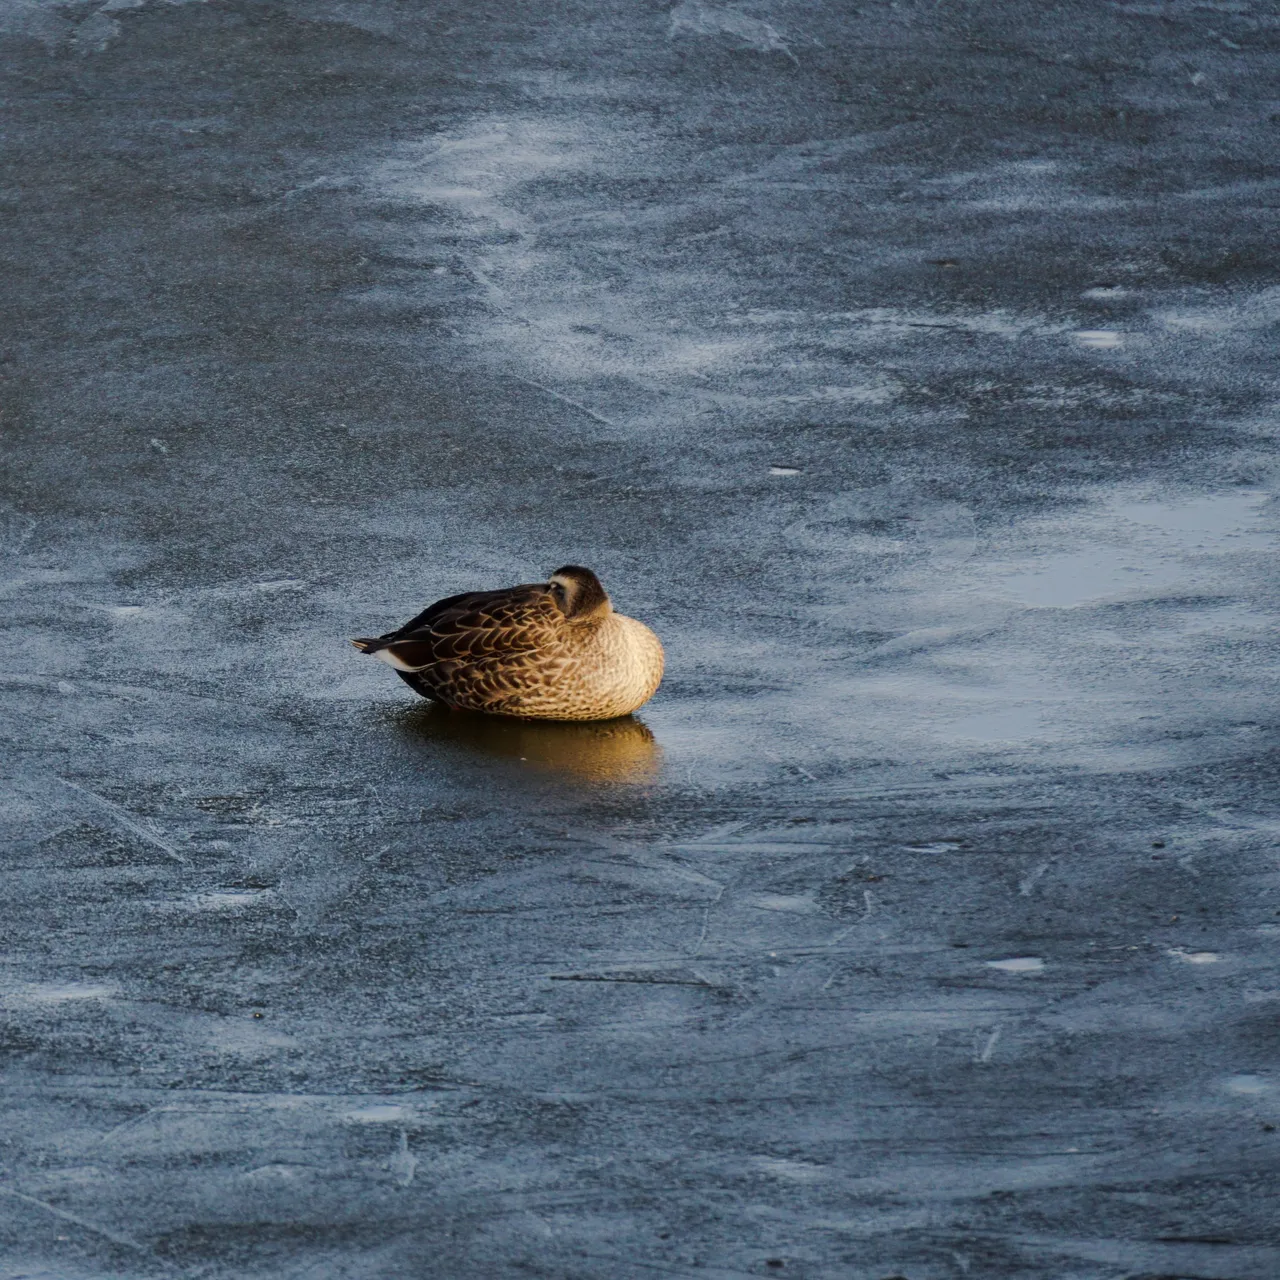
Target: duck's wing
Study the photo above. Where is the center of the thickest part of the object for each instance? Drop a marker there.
(477, 647)
(471, 599)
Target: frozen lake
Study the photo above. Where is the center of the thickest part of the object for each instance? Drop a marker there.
(911, 369)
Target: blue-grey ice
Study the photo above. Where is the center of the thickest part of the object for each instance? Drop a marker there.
(911, 368)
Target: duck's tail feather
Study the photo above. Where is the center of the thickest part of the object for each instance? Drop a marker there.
(403, 655)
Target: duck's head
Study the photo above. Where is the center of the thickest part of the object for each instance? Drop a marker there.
(578, 592)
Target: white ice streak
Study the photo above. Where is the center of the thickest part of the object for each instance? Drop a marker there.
(123, 818)
(796, 904)
(222, 900)
(1248, 1085)
(1258, 311)
(989, 1046)
(64, 1215)
(475, 171)
(85, 29)
(574, 294)
(1099, 339)
(900, 321)
(1017, 964)
(27, 994)
(696, 18)
(1193, 957)
(1141, 547)
(403, 1163)
(1021, 186)
(994, 683)
(789, 1170)
(379, 1113)
(242, 1038)
(277, 1173)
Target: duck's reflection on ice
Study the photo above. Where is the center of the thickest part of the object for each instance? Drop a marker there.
(622, 750)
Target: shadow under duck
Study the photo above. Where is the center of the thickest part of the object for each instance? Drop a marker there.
(552, 650)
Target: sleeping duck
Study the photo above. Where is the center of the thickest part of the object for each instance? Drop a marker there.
(545, 651)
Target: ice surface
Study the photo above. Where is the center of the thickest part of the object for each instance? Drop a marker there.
(910, 368)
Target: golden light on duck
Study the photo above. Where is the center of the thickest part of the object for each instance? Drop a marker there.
(552, 650)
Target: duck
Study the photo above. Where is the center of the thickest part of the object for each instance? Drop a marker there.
(553, 650)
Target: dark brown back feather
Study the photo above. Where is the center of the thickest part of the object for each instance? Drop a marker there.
(466, 650)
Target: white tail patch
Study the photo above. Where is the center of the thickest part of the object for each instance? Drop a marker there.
(385, 655)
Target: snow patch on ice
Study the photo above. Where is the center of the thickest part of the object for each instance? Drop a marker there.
(789, 1170)
(379, 1113)
(1248, 1085)
(1017, 964)
(1193, 957)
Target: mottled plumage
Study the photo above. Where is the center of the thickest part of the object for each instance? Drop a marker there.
(545, 650)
